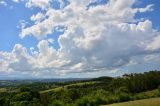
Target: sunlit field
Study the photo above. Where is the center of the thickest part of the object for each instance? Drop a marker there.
(145, 102)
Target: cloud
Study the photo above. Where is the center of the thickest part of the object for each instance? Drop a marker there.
(51, 41)
(100, 38)
(43, 4)
(147, 8)
(38, 17)
(75, 13)
(16, 1)
(154, 44)
(3, 3)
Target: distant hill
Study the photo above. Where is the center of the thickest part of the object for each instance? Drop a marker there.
(30, 81)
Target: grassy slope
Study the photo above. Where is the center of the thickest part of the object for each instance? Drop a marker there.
(145, 102)
(64, 87)
(3, 90)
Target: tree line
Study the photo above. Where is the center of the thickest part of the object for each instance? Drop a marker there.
(104, 90)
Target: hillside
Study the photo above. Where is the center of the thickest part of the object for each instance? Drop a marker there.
(93, 92)
(145, 102)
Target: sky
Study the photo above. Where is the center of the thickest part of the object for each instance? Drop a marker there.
(78, 38)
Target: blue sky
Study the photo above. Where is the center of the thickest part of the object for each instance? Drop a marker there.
(153, 16)
(12, 14)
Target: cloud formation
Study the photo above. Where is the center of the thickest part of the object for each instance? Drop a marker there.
(3, 3)
(96, 38)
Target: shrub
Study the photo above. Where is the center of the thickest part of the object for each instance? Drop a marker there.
(57, 103)
(158, 90)
(25, 89)
(20, 103)
(85, 101)
(122, 90)
(141, 96)
(100, 100)
(112, 99)
(24, 96)
(2, 101)
(123, 97)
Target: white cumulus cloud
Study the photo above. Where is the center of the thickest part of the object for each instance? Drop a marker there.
(99, 38)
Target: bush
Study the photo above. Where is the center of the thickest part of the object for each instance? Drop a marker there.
(95, 99)
(100, 100)
(140, 96)
(20, 103)
(25, 89)
(112, 99)
(2, 101)
(158, 90)
(57, 103)
(122, 90)
(35, 94)
(123, 97)
(85, 101)
(24, 96)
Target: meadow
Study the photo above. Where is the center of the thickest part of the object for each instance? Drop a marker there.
(145, 102)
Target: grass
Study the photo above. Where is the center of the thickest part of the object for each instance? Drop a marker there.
(3, 90)
(64, 87)
(51, 90)
(144, 102)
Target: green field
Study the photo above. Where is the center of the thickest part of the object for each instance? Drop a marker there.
(64, 87)
(3, 90)
(145, 102)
